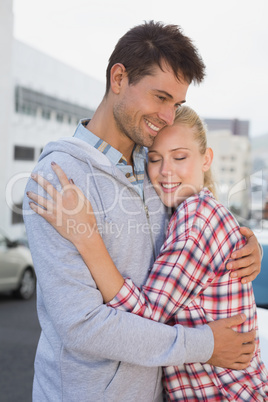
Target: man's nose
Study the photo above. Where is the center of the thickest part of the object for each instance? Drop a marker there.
(167, 114)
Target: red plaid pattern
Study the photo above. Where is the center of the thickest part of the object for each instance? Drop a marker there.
(189, 285)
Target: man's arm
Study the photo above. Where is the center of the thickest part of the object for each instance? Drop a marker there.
(246, 262)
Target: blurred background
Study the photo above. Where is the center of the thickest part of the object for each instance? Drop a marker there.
(52, 73)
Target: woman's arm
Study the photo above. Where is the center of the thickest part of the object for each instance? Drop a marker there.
(67, 210)
(107, 277)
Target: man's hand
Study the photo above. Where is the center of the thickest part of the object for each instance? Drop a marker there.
(247, 260)
(232, 349)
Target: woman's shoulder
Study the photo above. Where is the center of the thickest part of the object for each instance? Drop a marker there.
(198, 201)
(203, 206)
(214, 206)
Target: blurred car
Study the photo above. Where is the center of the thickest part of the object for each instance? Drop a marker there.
(16, 269)
(260, 284)
(23, 241)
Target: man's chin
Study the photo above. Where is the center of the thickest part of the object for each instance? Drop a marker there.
(148, 142)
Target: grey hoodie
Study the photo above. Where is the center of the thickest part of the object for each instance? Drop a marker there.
(88, 351)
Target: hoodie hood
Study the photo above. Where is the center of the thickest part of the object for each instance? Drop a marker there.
(93, 158)
(96, 163)
(79, 149)
(85, 153)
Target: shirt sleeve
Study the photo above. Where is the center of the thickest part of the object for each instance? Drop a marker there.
(201, 236)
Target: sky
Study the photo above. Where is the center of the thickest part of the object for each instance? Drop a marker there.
(231, 35)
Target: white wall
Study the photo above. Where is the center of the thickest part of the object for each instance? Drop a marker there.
(6, 100)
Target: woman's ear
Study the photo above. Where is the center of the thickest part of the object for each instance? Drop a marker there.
(208, 159)
(117, 76)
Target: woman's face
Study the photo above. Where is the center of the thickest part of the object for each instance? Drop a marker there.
(175, 164)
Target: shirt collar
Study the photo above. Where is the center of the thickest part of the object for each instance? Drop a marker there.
(115, 157)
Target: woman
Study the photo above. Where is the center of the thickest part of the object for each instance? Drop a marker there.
(188, 283)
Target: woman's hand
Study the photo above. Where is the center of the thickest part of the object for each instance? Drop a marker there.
(247, 260)
(68, 211)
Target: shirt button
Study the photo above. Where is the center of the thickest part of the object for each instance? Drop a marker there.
(128, 175)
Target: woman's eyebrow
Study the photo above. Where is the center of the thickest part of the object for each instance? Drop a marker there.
(176, 149)
(171, 150)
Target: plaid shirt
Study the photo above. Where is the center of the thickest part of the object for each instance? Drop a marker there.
(189, 285)
(116, 157)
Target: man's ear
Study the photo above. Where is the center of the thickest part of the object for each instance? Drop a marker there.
(117, 76)
(208, 159)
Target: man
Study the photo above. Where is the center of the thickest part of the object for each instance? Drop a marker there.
(88, 351)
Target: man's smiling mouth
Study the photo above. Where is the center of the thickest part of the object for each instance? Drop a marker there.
(152, 126)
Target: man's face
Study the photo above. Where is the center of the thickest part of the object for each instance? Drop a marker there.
(144, 108)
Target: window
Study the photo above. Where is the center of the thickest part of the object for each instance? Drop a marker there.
(23, 153)
(45, 114)
(27, 101)
(59, 117)
(24, 105)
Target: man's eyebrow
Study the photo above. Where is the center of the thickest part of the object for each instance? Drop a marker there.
(167, 94)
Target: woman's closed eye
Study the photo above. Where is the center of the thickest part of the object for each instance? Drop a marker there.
(154, 160)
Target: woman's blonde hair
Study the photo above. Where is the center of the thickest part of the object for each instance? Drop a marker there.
(186, 115)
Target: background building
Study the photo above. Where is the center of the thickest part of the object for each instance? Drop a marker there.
(259, 150)
(41, 100)
(234, 126)
(231, 170)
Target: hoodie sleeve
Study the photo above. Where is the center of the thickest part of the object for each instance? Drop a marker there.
(72, 304)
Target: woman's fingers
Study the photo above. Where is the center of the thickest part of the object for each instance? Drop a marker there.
(63, 179)
(41, 201)
(45, 184)
(41, 211)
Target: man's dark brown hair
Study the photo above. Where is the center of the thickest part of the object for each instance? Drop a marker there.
(154, 43)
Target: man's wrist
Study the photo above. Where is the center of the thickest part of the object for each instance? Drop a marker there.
(199, 344)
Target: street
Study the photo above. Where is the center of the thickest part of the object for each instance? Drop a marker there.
(19, 333)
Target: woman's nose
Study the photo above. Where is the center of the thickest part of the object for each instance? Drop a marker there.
(166, 169)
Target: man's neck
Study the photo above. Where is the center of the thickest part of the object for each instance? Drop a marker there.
(103, 126)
